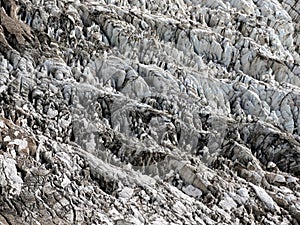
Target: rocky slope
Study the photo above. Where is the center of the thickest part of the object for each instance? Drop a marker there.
(149, 112)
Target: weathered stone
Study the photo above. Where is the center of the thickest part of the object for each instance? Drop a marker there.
(149, 112)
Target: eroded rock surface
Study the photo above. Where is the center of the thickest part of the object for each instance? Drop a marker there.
(149, 112)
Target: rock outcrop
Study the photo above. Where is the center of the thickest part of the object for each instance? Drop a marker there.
(149, 112)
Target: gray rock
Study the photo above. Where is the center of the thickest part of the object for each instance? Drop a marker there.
(149, 112)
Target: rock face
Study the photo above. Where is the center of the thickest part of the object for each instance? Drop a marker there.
(149, 112)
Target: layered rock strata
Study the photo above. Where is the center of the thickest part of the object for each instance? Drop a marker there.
(149, 112)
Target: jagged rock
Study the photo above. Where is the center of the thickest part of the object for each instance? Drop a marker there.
(149, 112)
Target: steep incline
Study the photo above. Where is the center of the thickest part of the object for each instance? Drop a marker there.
(149, 112)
